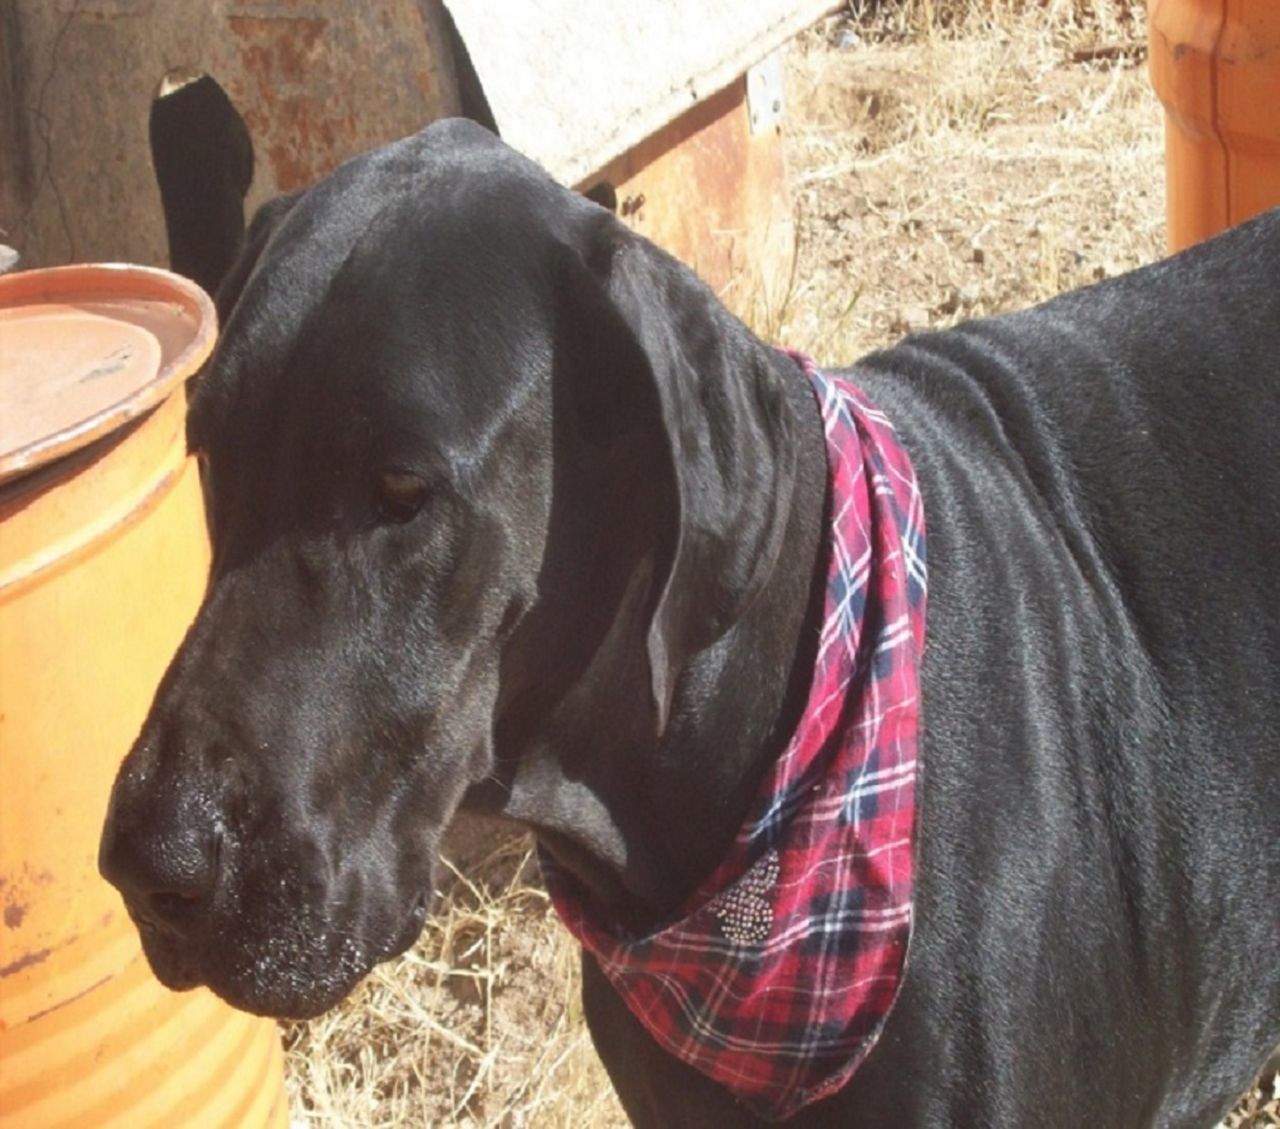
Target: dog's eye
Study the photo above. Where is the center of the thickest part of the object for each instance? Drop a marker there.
(400, 494)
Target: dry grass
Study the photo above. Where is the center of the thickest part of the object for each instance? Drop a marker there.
(479, 1025)
(949, 158)
(967, 164)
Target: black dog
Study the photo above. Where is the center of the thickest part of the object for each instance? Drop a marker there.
(509, 514)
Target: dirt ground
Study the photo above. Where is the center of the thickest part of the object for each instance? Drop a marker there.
(939, 171)
(941, 178)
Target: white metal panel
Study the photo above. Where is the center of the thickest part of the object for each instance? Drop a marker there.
(575, 83)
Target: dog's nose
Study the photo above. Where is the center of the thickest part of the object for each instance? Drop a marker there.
(167, 875)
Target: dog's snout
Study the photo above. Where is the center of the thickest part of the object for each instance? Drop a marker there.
(167, 871)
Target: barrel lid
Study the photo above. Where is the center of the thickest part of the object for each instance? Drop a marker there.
(85, 348)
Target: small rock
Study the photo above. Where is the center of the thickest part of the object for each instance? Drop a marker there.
(911, 318)
(977, 254)
(960, 298)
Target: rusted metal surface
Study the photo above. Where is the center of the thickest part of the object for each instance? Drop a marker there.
(320, 80)
(716, 197)
(316, 80)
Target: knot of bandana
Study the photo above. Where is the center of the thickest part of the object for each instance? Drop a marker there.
(777, 976)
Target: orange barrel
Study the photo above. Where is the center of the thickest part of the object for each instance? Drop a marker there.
(103, 559)
(1215, 65)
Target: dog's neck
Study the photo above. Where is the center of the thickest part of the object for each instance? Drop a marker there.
(641, 819)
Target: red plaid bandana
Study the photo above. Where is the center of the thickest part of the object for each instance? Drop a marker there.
(777, 976)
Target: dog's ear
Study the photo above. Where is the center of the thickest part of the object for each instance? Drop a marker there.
(720, 468)
(203, 160)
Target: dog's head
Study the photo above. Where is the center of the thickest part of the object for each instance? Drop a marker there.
(453, 460)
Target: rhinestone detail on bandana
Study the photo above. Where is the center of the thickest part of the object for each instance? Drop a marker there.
(745, 909)
(777, 976)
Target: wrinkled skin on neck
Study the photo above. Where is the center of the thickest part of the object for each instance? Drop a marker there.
(492, 529)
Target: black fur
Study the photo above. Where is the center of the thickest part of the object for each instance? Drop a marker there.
(510, 515)
(203, 158)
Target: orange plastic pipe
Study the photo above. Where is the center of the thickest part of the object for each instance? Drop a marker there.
(103, 559)
(1215, 65)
